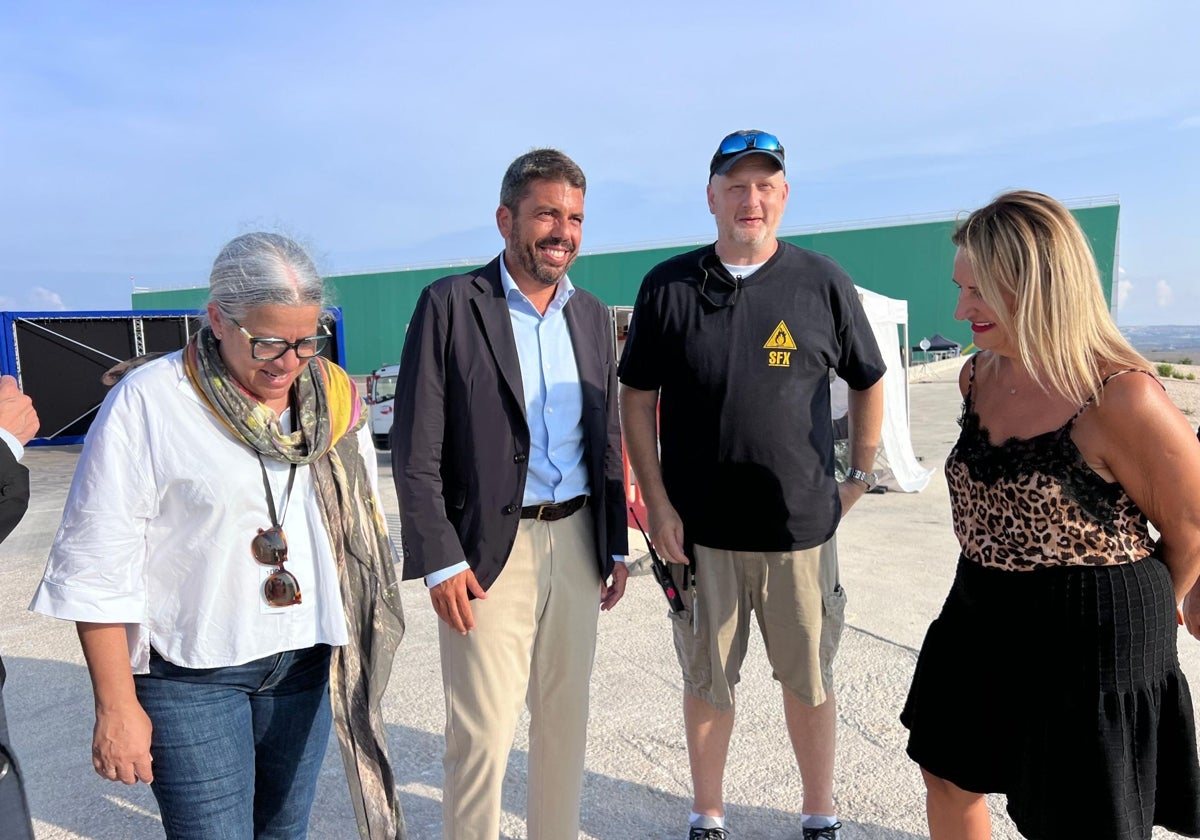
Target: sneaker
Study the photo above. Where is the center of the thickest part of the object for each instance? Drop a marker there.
(829, 832)
(698, 833)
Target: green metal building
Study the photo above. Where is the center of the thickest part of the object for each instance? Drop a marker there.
(910, 260)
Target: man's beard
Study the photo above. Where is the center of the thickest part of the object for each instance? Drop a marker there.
(547, 275)
(750, 238)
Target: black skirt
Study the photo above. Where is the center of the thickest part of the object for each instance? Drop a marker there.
(1061, 688)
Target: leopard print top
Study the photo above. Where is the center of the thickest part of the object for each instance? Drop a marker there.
(1026, 504)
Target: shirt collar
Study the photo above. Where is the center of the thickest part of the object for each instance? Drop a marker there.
(512, 293)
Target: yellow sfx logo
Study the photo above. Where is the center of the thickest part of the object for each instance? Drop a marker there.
(780, 344)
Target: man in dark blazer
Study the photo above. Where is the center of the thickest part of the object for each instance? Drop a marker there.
(18, 423)
(506, 452)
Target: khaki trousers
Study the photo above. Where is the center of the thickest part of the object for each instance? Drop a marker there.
(534, 642)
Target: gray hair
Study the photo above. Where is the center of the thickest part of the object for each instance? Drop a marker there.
(263, 269)
(538, 165)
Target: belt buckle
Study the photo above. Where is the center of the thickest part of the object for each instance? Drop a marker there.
(541, 509)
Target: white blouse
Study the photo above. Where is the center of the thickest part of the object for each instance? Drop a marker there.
(157, 529)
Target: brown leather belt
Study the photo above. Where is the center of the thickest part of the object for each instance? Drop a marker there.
(549, 513)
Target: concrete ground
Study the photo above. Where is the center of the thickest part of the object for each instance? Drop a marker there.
(897, 553)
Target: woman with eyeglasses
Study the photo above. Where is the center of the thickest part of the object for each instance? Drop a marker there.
(224, 557)
(1051, 674)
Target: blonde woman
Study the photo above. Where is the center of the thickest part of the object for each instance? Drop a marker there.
(1051, 674)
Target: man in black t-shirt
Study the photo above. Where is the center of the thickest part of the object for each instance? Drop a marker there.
(728, 356)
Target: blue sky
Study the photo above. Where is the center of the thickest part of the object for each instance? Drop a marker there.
(136, 138)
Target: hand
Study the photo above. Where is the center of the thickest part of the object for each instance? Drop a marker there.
(666, 532)
(1191, 612)
(16, 411)
(121, 745)
(452, 603)
(850, 491)
(610, 593)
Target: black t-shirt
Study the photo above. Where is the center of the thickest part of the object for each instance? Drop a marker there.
(742, 369)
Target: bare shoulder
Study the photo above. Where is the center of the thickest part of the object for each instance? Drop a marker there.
(1129, 396)
(1134, 410)
(1136, 437)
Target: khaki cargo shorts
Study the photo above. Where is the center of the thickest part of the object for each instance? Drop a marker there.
(800, 607)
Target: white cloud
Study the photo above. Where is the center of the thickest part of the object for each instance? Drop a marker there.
(1124, 288)
(1163, 295)
(46, 300)
(1190, 122)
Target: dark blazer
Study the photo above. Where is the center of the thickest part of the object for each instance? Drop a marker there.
(460, 441)
(14, 810)
(14, 491)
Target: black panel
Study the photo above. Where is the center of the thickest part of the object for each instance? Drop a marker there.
(62, 360)
(162, 335)
(331, 347)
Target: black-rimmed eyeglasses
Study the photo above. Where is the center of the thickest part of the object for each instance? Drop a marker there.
(269, 349)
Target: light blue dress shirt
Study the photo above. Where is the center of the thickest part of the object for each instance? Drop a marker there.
(553, 395)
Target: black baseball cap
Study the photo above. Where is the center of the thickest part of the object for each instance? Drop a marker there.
(738, 145)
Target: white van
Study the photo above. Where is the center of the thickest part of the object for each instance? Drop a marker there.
(381, 396)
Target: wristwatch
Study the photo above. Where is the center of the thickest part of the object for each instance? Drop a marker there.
(867, 478)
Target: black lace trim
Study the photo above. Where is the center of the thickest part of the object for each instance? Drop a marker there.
(1052, 454)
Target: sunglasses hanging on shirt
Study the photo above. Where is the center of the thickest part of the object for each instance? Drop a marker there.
(281, 589)
(717, 286)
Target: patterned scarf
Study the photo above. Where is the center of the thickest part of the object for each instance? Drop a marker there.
(328, 412)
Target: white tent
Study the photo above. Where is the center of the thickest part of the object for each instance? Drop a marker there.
(900, 467)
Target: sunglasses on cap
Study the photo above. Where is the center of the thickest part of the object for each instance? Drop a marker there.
(736, 145)
(741, 141)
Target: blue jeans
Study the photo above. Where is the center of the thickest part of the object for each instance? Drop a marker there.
(222, 733)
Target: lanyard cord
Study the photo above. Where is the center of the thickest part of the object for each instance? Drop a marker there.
(287, 497)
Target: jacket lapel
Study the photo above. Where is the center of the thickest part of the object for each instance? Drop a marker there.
(494, 317)
(589, 363)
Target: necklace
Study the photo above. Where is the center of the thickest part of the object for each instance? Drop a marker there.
(1012, 389)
